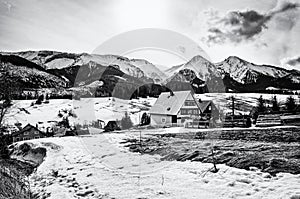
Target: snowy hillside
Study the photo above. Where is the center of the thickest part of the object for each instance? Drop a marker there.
(27, 74)
(86, 110)
(149, 69)
(246, 72)
(57, 60)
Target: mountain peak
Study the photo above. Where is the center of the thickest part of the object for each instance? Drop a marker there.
(198, 58)
(235, 59)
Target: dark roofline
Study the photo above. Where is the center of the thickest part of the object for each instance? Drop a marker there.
(23, 130)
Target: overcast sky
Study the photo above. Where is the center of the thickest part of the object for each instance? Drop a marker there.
(260, 31)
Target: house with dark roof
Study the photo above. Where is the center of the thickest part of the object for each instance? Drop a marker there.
(174, 108)
(207, 108)
(29, 132)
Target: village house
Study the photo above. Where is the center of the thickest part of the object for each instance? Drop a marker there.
(29, 132)
(207, 108)
(174, 108)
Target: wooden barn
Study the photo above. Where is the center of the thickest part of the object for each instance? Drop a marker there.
(174, 108)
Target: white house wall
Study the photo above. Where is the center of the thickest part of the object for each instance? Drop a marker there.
(160, 119)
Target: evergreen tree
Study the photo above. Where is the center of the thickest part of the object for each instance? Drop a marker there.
(275, 106)
(126, 122)
(290, 103)
(261, 107)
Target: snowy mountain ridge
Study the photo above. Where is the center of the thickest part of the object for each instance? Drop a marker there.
(199, 65)
(246, 72)
(58, 60)
(237, 74)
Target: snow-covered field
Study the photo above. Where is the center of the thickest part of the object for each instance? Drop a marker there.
(99, 167)
(86, 110)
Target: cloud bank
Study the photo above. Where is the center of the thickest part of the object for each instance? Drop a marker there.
(293, 61)
(238, 26)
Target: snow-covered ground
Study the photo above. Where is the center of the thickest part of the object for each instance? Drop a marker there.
(99, 167)
(86, 110)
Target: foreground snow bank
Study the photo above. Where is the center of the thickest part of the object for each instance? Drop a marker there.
(99, 167)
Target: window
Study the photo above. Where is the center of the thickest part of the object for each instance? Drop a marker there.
(209, 108)
(196, 112)
(189, 111)
(189, 103)
(37, 137)
(163, 120)
(36, 132)
(26, 133)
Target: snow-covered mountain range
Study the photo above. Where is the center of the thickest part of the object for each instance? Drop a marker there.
(58, 60)
(59, 69)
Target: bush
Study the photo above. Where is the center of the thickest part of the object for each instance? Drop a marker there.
(40, 99)
(126, 122)
(145, 119)
(5, 140)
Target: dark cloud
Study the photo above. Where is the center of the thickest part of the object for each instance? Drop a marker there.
(293, 61)
(237, 26)
(283, 6)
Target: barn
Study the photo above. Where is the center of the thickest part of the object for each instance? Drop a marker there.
(173, 108)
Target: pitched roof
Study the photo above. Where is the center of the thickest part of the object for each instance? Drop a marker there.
(203, 105)
(168, 104)
(26, 128)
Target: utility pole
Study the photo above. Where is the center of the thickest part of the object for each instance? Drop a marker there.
(232, 98)
(232, 106)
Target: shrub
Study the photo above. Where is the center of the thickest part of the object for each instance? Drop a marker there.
(145, 119)
(40, 99)
(126, 122)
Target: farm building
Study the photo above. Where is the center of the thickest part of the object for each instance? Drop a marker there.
(29, 132)
(174, 108)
